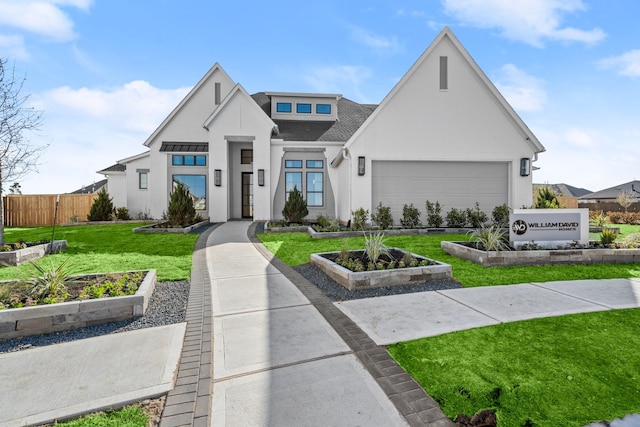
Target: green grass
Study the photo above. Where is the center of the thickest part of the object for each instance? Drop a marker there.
(565, 371)
(109, 248)
(296, 248)
(131, 416)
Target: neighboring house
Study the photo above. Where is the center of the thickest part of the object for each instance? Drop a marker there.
(609, 195)
(93, 188)
(564, 190)
(444, 133)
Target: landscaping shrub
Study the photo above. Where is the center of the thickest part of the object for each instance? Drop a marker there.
(476, 217)
(434, 215)
(295, 209)
(359, 219)
(598, 218)
(624, 217)
(631, 241)
(374, 246)
(323, 221)
(546, 198)
(102, 208)
(456, 218)
(410, 217)
(382, 216)
(608, 236)
(500, 216)
(123, 214)
(490, 238)
(326, 224)
(181, 212)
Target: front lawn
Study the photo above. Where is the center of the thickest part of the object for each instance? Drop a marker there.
(562, 371)
(296, 248)
(109, 248)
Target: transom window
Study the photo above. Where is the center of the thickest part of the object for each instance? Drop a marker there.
(303, 108)
(188, 160)
(246, 157)
(293, 164)
(323, 108)
(283, 107)
(315, 164)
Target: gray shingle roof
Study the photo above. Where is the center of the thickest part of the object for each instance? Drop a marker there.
(565, 190)
(612, 192)
(351, 116)
(93, 188)
(115, 168)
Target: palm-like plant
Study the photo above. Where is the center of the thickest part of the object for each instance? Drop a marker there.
(50, 281)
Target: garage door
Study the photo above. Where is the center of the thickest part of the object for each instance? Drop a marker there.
(453, 184)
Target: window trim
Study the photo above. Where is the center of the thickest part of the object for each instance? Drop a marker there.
(146, 180)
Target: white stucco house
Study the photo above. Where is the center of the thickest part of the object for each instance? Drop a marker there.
(443, 133)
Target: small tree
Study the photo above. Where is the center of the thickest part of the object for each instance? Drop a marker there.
(295, 209)
(17, 156)
(181, 211)
(102, 207)
(546, 198)
(625, 199)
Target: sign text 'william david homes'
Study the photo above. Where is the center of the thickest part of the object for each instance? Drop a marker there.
(549, 227)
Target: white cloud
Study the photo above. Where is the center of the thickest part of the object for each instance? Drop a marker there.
(581, 139)
(43, 17)
(523, 91)
(531, 22)
(13, 47)
(90, 129)
(380, 44)
(627, 64)
(339, 79)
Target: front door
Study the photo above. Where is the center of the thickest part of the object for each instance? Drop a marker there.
(247, 194)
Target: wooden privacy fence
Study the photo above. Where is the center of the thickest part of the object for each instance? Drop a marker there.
(21, 210)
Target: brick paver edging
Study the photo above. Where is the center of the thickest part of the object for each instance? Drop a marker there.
(417, 407)
(189, 403)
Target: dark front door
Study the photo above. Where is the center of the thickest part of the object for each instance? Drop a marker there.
(247, 194)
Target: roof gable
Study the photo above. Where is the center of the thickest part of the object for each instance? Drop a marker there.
(237, 93)
(216, 71)
(612, 192)
(447, 37)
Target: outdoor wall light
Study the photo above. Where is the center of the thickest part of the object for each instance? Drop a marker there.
(217, 177)
(525, 166)
(261, 177)
(361, 165)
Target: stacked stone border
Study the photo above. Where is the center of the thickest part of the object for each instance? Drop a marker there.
(42, 319)
(189, 403)
(411, 401)
(19, 256)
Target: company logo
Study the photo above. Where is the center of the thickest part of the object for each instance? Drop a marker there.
(519, 227)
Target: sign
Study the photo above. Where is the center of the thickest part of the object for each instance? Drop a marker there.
(548, 227)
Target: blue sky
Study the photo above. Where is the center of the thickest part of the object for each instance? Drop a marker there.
(106, 72)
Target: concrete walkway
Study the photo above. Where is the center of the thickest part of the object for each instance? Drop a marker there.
(64, 380)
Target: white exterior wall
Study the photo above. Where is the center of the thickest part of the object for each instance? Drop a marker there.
(421, 122)
(139, 200)
(239, 121)
(117, 188)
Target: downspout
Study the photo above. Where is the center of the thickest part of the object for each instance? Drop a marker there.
(347, 156)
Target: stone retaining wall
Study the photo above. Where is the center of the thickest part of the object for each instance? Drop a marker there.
(42, 319)
(542, 257)
(32, 252)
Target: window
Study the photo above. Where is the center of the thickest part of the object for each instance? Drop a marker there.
(143, 180)
(293, 164)
(283, 107)
(314, 164)
(246, 157)
(188, 160)
(323, 108)
(303, 108)
(444, 78)
(291, 180)
(197, 186)
(314, 189)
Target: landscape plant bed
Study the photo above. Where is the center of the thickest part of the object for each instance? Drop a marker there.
(430, 270)
(469, 252)
(275, 227)
(163, 227)
(78, 310)
(16, 254)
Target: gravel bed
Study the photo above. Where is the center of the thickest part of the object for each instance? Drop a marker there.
(167, 306)
(335, 292)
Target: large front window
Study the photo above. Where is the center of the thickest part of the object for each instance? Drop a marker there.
(197, 186)
(292, 179)
(314, 189)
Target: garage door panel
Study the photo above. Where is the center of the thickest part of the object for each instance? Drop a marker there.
(454, 184)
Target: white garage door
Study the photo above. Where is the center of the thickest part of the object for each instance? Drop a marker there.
(453, 184)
